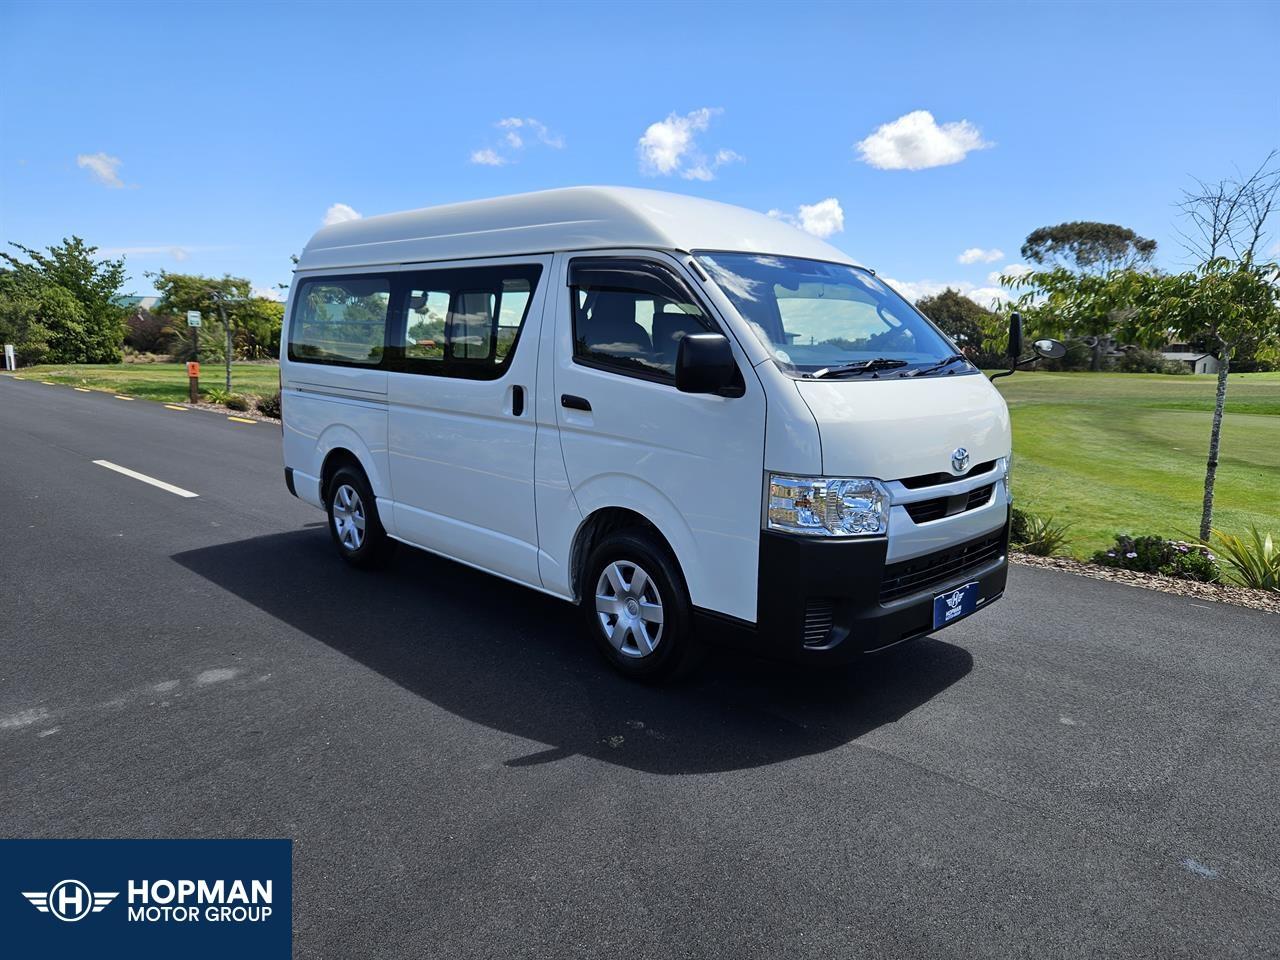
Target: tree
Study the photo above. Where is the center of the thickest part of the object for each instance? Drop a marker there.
(1087, 247)
(1234, 301)
(245, 326)
(963, 320)
(74, 295)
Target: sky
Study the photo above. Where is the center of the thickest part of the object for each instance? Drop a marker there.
(925, 140)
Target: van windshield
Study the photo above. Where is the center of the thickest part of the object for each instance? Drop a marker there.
(817, 317)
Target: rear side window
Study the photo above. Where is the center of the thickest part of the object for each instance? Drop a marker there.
(461, 323)
(630, 316)
(340, 321)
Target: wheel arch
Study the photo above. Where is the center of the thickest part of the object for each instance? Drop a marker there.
(598, 525)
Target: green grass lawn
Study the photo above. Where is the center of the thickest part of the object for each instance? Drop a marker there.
(1126, 452)
(158, 381)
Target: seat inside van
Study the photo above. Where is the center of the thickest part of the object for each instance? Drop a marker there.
(611, 327)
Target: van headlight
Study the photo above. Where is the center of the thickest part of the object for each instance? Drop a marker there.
(1006, 463)
(828, 506)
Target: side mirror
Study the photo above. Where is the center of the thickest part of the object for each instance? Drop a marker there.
(1014, 350)
(1049, 349)
(704, 364)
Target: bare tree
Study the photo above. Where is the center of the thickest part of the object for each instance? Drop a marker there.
(1229, 218)
(1227, 227)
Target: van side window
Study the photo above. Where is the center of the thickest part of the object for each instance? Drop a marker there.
(463, 322)
(340, 320)
(630, 315)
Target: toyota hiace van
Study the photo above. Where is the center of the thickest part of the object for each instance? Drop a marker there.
(685, 417)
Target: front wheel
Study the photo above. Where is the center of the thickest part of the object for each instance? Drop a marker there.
(637, 608)
(353, 520)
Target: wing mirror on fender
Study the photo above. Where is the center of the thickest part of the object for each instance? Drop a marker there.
(704, 364)
(1044, 348)
(1049, 349)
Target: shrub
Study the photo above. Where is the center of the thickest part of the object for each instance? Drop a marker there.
(1018, 526)
(1042, 536)
(1138, 360)
(270, 406)
(1172, 558)
(145, 332)
(216, 395)
(1254, 560)
(237, 401)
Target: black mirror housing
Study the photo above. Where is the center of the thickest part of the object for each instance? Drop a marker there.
(704, 364)
(1015, 336)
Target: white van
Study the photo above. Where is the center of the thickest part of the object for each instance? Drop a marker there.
(675, 413)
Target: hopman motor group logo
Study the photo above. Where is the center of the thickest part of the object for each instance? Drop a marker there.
(70, 900)
(207, 899)
(162, 901)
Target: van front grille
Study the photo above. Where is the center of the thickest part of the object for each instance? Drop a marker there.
(819, 613)
(920, 573)
(922, 511)
(935, 479)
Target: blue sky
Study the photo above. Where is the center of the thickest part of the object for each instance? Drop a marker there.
(215, 138)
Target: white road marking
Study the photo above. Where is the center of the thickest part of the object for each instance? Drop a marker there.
(145, 479)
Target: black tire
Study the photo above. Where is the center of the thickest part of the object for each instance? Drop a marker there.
(634, 646)
(350, 498)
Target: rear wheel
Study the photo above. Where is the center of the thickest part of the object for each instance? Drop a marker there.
(637, 608)
(353, 520)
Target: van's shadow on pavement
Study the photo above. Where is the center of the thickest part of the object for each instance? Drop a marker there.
(518, 661)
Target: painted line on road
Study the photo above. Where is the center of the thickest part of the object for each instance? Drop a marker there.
(51, 383)
(145, 479)
(174, 406)
(242, 420)
(82, 389)
(122, 397)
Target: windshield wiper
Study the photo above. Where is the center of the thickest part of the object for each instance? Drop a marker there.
(946, 362)
(863, 366)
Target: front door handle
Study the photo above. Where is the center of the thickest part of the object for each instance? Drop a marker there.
(517, 401)
(570, 402)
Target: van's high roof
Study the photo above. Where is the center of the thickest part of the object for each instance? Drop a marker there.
(573, 218)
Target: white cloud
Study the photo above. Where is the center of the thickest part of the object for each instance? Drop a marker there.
(913, 290)
(517, 134)
(339, 213)
(103, 168)
(671, 147)
(487, 158)
(978, 255)
(1008, 270)
(822, 219)
(269, 293)
(176, 252)
(915, 141)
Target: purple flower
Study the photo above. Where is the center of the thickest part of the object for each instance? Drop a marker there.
(1131, 555)
(1111, 553)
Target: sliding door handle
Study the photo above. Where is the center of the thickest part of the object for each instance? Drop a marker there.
(570, 402)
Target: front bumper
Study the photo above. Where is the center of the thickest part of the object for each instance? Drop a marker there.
(837, 600)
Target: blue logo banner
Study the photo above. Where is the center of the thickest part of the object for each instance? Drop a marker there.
(147, 898)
